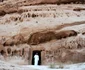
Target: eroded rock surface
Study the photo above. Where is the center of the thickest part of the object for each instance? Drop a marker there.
(57, 31)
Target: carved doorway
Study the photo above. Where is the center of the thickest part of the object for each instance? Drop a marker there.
(39, 54)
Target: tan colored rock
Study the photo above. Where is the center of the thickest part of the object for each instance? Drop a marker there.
(2, 12)
(40, 37)
(64, 34)
(17, 39)
(1, 47)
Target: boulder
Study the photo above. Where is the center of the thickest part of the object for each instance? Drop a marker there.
(65, 33)
(41, 37)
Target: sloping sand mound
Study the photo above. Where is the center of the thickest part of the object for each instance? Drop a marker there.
(8, 66)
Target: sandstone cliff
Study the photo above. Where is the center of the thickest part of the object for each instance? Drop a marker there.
(57, 31)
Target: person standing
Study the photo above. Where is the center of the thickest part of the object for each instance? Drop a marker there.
(36, 59)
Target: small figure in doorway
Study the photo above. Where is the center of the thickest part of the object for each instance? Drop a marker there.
(36, 59)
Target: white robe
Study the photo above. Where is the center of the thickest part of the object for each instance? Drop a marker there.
(36, 59)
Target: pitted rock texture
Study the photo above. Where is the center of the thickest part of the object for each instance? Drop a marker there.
(57, 31)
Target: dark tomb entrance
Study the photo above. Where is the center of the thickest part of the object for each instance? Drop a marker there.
(39, 54)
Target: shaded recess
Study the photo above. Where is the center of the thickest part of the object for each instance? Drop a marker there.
(39, 54)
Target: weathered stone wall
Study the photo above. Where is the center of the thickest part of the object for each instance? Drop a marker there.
(38, 37)
(55, 45)
(66, 50)
(9, 7)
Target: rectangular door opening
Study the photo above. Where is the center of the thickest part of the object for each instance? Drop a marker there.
(39, 54)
